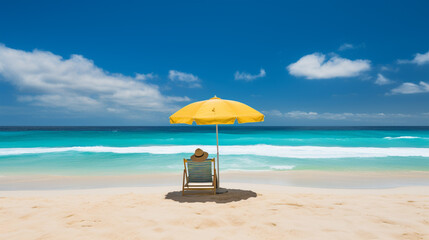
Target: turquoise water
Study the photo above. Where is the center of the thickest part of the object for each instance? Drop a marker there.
(138, 150)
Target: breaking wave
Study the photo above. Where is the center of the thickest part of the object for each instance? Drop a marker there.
(259, 150)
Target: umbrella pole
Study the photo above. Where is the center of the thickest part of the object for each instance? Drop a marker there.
(217, 147)
(218, 189)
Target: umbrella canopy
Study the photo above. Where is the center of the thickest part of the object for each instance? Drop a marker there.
(216, 111)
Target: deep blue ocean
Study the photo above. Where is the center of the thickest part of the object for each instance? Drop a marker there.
(140, 150)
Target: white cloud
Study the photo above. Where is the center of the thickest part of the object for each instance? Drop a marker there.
(346, 46)
(301, 114)
(249, 77)
(419, 59)
(191, 80)
(382, 80)
(315, 66)
(411, 88)
(46, 79)
(335, 116)
(144, 77)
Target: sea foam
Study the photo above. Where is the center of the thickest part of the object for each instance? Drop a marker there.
(401, 137)
(286, 167)
(259, 150)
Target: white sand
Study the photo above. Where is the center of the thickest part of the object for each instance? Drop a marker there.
(251, 211)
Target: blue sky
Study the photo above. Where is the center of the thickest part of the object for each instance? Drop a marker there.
(135, 63)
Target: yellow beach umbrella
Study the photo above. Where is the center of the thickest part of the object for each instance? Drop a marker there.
(216, 111)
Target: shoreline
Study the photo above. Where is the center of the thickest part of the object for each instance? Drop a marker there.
(296, 178)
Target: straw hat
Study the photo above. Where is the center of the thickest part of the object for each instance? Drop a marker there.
(199, 155)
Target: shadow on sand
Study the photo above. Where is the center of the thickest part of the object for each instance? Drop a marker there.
(233, 195)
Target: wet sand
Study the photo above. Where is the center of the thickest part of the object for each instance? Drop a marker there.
(314, 179)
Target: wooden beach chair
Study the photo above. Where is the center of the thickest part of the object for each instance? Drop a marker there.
(199, 176)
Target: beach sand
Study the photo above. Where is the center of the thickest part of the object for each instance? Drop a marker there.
(247, 211)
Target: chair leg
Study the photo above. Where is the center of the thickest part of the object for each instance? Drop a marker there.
(183, 183)
(214, 184)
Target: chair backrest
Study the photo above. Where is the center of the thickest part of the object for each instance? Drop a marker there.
(200, 171)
